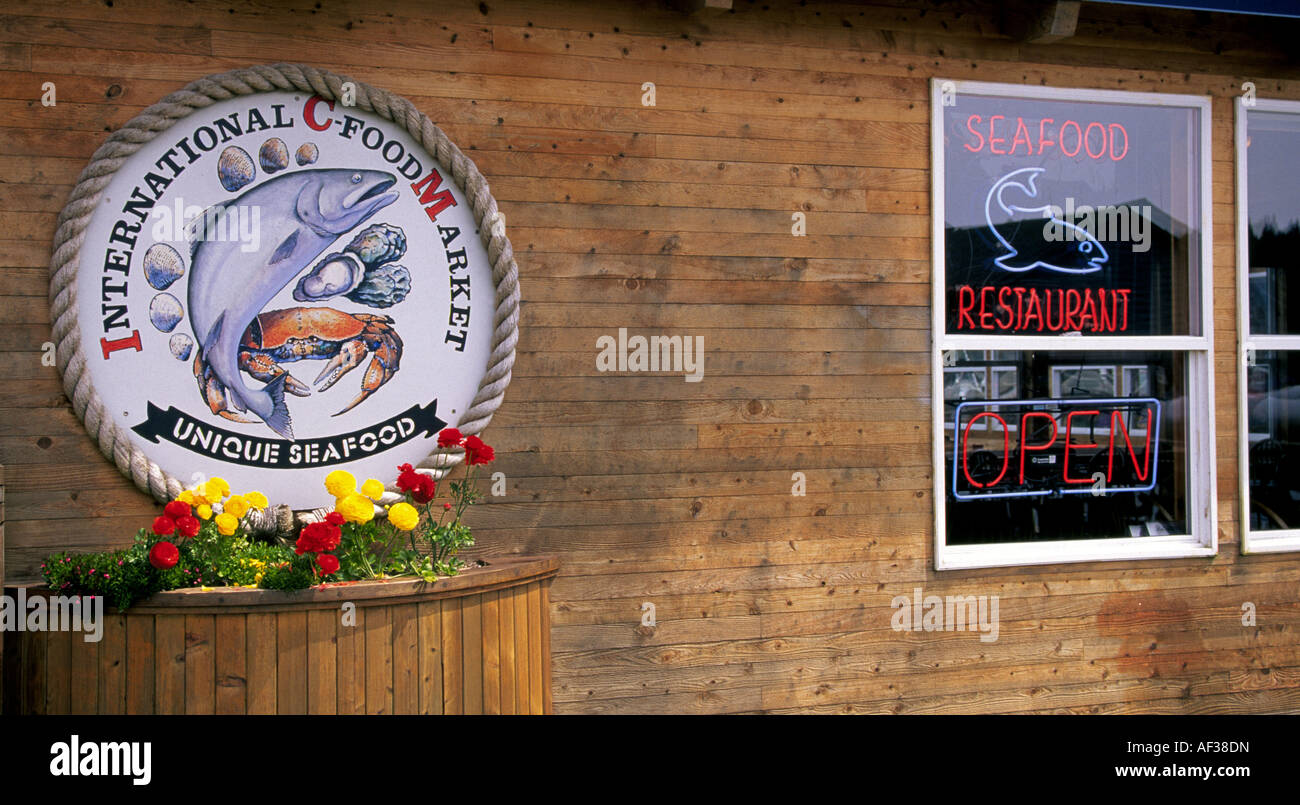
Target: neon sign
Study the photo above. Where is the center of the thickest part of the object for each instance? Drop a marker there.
(1040, 463)
(1076, 252)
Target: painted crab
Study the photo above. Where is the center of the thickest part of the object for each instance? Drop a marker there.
(300, 333)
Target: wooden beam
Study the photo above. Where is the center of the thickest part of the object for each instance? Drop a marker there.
(1056, 21)
(697, 6)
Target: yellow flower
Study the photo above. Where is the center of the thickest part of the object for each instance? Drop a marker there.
(187, 497)
(373, 489)
(340, 483)
(227, 523)
(204, 511)
(236, 506)
(355, 508)
(215, 489)
(404, 516)
(257, 500)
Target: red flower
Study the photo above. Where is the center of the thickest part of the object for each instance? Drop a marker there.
(447, 506)
(164, 555)
(334, 518)
(164, 526)
(476, 452)
(408, 480)
(425, 491)
(188, 526)
(449, 437)
(177, 509)
(317, 538)
(329, 563)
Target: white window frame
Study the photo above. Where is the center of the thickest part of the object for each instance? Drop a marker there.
(1202, 507)
(1253, 541)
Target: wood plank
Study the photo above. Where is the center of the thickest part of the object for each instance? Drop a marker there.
(83, 697)
(379, 661)
(491, 652)
(322, 662)
(538, 654)
(291, 663)
(509, 661)
(523, 651)
(453, 668)
(406, 659)
(261, 634)
(471, 618)
(112, 666)
(34, 649)
(231, 669)
(544, 633)
(429, 635)
(169, 664)
(352, 662)
(141, 666)
(200, 665)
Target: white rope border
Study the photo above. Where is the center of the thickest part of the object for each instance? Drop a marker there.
(159, 117)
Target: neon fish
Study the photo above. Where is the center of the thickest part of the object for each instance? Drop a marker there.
(1075, 251)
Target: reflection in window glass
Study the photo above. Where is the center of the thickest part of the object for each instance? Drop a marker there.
(1273, 174)
(1024, 465)
(1273, 419)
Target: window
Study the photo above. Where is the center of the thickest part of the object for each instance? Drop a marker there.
(1268, 256)
(1072, 321)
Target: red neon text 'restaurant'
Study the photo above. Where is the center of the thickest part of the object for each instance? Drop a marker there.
(1060, 310)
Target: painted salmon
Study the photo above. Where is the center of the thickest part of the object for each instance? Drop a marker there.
(301, 214)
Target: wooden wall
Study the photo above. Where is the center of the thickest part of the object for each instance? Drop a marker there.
(676, 220)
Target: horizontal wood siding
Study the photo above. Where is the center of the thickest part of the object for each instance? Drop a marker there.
(672, 220)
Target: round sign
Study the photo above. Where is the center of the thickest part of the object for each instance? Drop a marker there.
(282, 283)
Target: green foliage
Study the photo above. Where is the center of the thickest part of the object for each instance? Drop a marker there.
(122, 577)
(295, 575)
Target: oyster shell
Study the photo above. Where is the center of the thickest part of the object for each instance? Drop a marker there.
(165, 312)
(235, 168)
(162, 266)
(336, 274)
(378, 243)
(383, 286)
(274, 155)
(306, 154)
(181, 344)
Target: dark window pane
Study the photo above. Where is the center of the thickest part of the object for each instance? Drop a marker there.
(1070, 217)
(1274, 208)
(1273, 427)
(1074, 446)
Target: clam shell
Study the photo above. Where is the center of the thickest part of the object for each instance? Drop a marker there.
(336, 274)
(162, 266)
(383, 286)
(274, 155)
(165, 312)
(235, 168)
(181, 344)
(378, 243)
(306, 154)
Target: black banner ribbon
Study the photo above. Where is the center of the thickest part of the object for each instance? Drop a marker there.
(179, 428)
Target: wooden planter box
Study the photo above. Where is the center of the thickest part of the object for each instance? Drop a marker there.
(475, 643)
